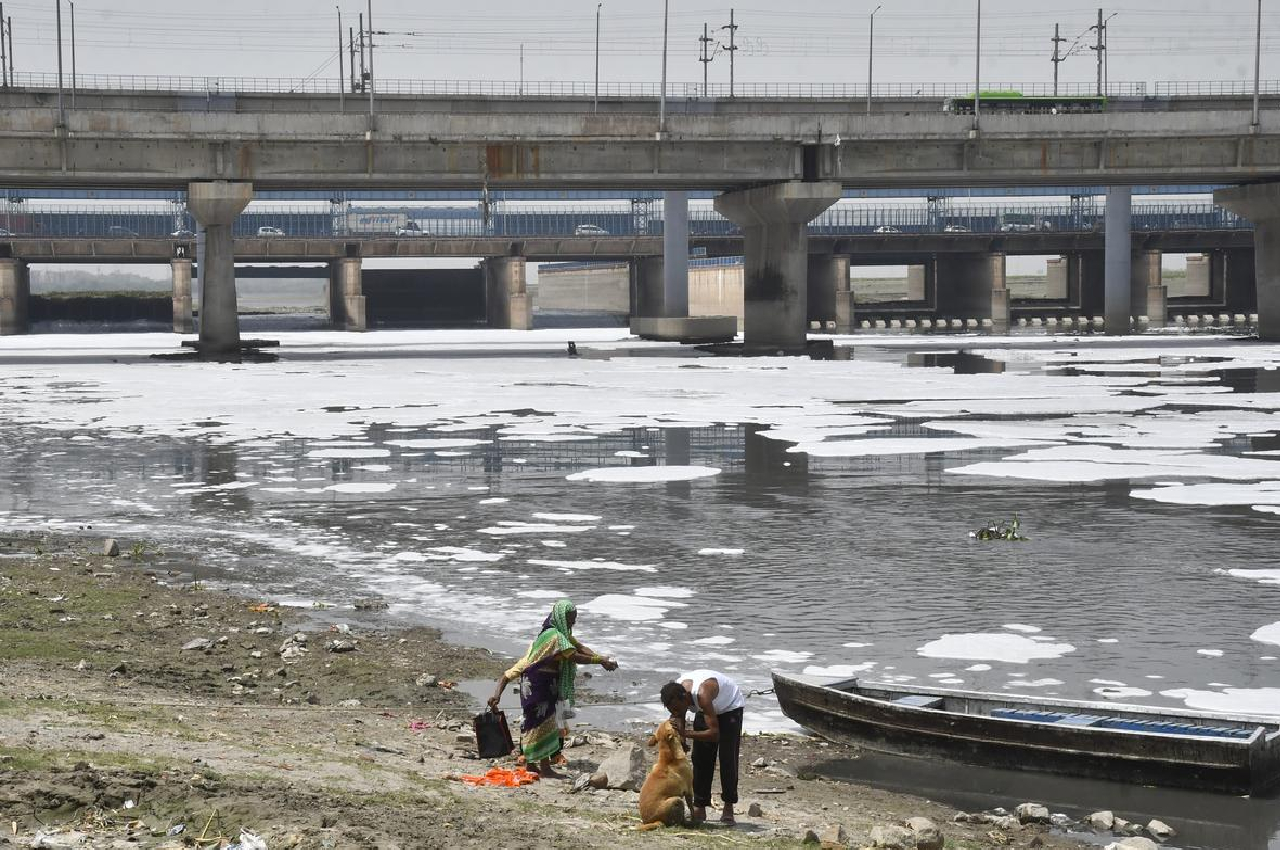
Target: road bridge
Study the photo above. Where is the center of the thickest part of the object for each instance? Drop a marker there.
(779, 163)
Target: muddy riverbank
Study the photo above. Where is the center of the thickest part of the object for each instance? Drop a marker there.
(140, 709)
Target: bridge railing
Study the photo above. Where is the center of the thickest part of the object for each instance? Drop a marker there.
(315, 221)
(1214, 88)
(212, 86)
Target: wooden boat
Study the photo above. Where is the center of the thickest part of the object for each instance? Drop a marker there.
(1235, 754)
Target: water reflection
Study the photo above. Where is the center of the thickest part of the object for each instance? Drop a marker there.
(1201, 820)
(960, 362)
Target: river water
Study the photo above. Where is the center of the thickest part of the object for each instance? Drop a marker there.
(744, 514)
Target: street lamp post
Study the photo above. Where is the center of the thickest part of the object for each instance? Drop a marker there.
(871, 52)
(977, 72)
(595, 100)
(662, 95)
(1257, 66)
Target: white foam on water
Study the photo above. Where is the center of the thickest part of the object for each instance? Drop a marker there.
(1260, 701)
(629, 608)
(664, 592)
(672, 624)
(569, 517)
(643, 474)
(716, 640)
(534, 528)
(1267, 634)
(1019, 627)
(1084, 463)
(1107, 640)
(1034, 683)
(361, 487)
(951, 681)
(621, 527)
(436, 443)
(1121, 692)
(553, 544)
(1211, 653)
(462, 553)
(629, 453)
(856, 645)
(373, 467)
(495, 500)
(839, 671)
(713, 551)
(347, 454)
(540, 594)
(978, 668)
(782, 656)
(592, 565)
(1262, 496)
(992, 646)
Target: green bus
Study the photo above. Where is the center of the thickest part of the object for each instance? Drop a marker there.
(1017, 102)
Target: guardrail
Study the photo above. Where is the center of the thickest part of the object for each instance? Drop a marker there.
(586, 221)
(1215, 88)
(214, 86)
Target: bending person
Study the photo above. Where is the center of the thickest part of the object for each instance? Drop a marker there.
(717, 732)
(546, 675)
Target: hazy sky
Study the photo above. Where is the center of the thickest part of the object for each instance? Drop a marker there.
(811, 40)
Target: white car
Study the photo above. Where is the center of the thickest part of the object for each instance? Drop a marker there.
(411, 229)
(955, 228)
(4, 232)
(268, 230)
(182, 234)
(887, 228)
(590, 230)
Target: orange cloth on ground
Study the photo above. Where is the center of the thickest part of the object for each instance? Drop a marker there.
(502, 777)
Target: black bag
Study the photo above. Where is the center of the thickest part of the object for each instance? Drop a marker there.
(493, 738)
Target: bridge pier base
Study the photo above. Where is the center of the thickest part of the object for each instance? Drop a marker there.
(15, 293)
(648, 288)
(181, 271)
(1147, 294)
(830, 298)
(507, 301)
(215, 205)
(1260, 203)
(346, 294)
(972, 286)
(1118, 247)
(775, 284)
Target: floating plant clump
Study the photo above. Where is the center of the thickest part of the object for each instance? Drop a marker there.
(1011, 530)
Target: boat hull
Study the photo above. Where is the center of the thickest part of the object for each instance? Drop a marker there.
(1231, 767)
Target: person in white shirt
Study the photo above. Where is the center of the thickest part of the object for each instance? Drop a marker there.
(717, 732)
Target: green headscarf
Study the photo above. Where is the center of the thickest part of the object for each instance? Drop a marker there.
(555, 639)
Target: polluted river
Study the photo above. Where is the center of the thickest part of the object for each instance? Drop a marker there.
(746, 514)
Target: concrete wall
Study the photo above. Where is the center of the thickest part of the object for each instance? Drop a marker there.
(716, 291)
(424, 297)
(603, 288)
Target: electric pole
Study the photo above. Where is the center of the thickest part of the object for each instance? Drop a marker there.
(1058, 58)
(4, 62)
(370, 64)
(1099, 47)
(1257, 67)
(12, 78)
(342, 69)
(62, 112)
(705, 57)
(732, 48)
(364, 75)
(351, 59)
(72, 4)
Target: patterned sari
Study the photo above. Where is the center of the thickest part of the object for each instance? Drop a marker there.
(546, 676)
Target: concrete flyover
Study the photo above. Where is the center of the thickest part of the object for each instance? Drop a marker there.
(536, 145)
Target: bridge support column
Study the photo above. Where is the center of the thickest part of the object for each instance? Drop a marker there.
(675, 254)
(181, 270)
(1117, 301)
(972, 286)
(215, 205)
(1239, 291)
(1147, 293)
(775, 285)
(15, 293)
(346, 294)
(1260, 203)
(506, 295)
(830, 298)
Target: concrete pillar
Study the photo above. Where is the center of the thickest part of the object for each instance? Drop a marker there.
(506, 293)
(648, 287)
(972, 286)
(181, 271)
(1260, 203)
(15, 293)
(1119, 248)
(1239, 290)
(1057, 272)
(1088, 282)
(1199, 280)
(215, 205)
(346, 294)
(1147, 295)
(675, 254)
(829, 297)
(774, 223)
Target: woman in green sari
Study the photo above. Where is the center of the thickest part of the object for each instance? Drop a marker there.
(546, 675)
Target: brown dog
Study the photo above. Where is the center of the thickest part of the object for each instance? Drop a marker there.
(669, 786)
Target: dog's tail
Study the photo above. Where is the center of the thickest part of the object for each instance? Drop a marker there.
(646, 827)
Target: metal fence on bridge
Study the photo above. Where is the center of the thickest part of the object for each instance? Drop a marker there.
(585, 221)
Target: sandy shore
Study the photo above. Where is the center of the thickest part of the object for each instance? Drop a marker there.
(140, 709)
